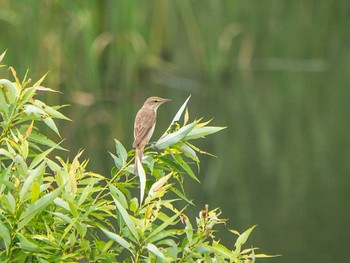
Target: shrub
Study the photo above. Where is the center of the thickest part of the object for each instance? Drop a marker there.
(53, 210)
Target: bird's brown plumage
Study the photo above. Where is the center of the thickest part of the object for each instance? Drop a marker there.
(144, 125)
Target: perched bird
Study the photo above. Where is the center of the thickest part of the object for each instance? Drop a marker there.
(144, 125)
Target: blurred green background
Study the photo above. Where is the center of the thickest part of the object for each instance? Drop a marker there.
(276, 72)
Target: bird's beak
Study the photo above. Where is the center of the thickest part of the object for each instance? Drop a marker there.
(165, 100)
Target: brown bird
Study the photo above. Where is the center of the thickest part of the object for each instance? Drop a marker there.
(144, 125)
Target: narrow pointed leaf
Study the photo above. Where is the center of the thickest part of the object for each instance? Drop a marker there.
(181, 195)
(43, 140)
(5, 235)
(177, 115)
(159, 184)
(41, 88)
(142, 176)
(6, 153)
(35, 192)
(121, 152)
(34, 209)
(188, 151)
(174, 137)
(117, 194)
(197, 133)
(86, 193)
(37, 84)
(33, 175)
(49, 110)
(185, 166)
(26, 244)
(2, 56)
(121, 241)
(152, 248)
(52, 125)
(12, 88)
(40, 157)
(127, 218)
(243, 237)
(163, 226)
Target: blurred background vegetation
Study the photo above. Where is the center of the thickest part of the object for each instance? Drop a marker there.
(276, 72)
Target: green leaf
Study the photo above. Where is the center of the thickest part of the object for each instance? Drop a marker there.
(49, 110)
(9, 202)
(158, 185)
(166, 223)
(6, 153)
(171, 163)
(41, 88)
(40, 157)
(33, 175)
(164, 234)
(121, 152)
(185, 166)
(42, 139)
(4, 179)
(64, 217)
(5, 235)
(21, 165)
(2, 56)
(25, 244)
(171, 245)
(243, 238)
(121, 241)
(188, 151)
(52, 125)
(37, 207)
(142, 176)
(88, 191)
(31, 110)
(3, 105)
(127, 218)
(221, 250)
(12, 88)
(199, 150)
(27, 94)
(37, 84)
(62, 203)
(117, 161)
(117, 194)
(35, 192)
(266, 256)
(152, 248)
(181, 195)
(175, 137)
(189, 230)
(177, 115)
(197, 133)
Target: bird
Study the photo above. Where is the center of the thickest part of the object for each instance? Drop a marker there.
(144, 125)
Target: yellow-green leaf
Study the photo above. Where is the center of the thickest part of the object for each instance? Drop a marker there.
(177, 115)
(121, 241)
(35, 192)
(127, 218)
(34, 209)
(174, 137)
(152, 248)
(202, 132)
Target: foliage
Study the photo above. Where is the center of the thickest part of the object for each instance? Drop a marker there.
(53, 210)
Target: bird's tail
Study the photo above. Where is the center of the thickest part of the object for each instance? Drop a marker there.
(138, 156)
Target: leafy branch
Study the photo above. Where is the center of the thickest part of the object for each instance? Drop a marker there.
(53, 210)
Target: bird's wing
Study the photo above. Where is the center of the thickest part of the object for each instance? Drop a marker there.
(144, 122)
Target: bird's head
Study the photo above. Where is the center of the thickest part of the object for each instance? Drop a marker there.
(155, 102)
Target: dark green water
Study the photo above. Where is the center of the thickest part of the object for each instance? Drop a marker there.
(275, 72)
